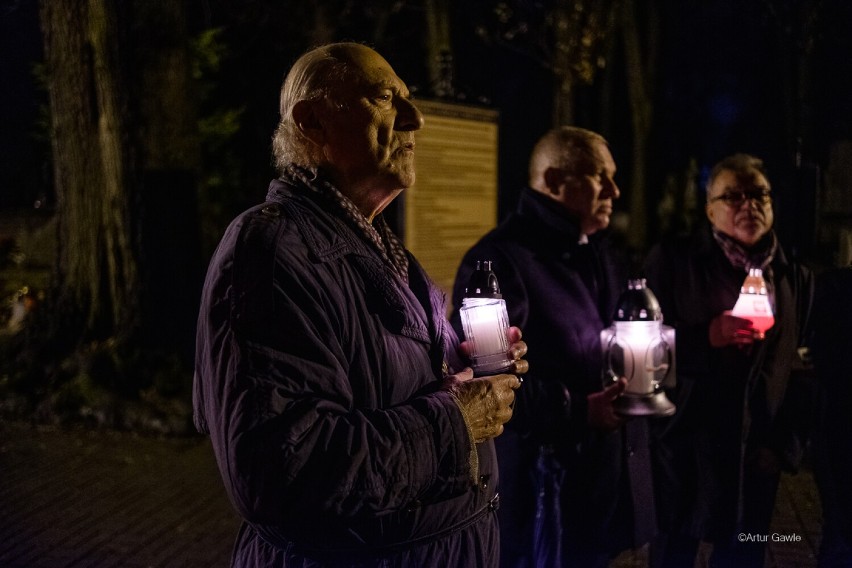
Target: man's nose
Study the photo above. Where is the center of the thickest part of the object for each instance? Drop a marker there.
(751, 203)
(612, 189)
(408, 116)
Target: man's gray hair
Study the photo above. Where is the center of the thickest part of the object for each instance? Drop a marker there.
(739, 164)
(313, 77)
(563, 147)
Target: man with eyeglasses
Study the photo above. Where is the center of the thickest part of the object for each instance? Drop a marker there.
(737, 424)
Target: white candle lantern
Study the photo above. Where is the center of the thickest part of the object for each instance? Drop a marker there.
(753, 303)
(640, 348)
(486, 322)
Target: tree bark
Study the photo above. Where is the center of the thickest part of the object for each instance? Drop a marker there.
(563, 96)
(440, 49)
(96, 272)
(640, 70)
(125, 155)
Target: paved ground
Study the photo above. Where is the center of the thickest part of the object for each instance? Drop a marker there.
(107, 499)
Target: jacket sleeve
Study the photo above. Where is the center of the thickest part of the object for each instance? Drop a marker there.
(273, 389)
(796, 420)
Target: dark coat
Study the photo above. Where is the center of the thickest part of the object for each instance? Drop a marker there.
(316, 377)
(555, 470)
(832, 348)
(732, 402)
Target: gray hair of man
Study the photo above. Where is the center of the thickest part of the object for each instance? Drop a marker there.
(563, 147)
(739, 164)
(313, 77)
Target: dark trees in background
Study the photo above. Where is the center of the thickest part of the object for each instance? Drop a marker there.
(161, 109)
(98, 271)
(601, 59)
(125, 160)
(640, 37)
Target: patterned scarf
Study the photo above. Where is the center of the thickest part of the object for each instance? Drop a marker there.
(758, 257)
(379, 233)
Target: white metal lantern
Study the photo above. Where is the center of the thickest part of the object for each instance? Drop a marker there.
(753, 303)
(640, 348)
(486, 322)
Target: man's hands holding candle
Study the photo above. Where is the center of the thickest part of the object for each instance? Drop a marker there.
(727, 329)
(486, 402)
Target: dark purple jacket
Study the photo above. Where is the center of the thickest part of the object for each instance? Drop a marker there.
(552, 465)
(317, 375)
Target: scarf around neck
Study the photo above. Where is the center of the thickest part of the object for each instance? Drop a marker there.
(760, 256)
(378, 233)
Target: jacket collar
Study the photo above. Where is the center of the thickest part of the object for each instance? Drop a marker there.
(329, 237)
(553, 225)
(327, 234)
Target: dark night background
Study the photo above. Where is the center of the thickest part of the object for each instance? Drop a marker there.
(768, 77)
(730, 78)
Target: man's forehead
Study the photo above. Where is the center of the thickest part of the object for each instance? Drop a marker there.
(594, 156)
(368, 69)
(730, 180)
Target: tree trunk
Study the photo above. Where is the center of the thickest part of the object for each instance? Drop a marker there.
(97, 273)
(640, 71)
(126, 156)
(563, 95)
(440, 50)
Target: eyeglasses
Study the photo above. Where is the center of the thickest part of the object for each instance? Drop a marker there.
(737, 198)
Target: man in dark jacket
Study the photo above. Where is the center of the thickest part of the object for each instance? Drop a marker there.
(346, 429)
(737, 424)
(576, 485)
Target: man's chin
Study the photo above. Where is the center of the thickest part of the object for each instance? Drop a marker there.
(404, 178)
(393, 183)
(749, 237)
(602, 221)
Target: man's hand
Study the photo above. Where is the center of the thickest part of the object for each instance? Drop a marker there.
(601, 413)
(726, 329)
(485, 402)
(517, 349)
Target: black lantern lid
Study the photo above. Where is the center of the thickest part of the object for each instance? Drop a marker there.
(638, 303)
(482, 282)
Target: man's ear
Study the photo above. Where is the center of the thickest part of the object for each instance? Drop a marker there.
(553, 178)
(308, 123)
(710, 212)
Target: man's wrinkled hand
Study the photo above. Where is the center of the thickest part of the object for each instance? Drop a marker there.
(485, 402)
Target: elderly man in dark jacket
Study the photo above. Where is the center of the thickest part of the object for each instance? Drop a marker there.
(346, 429)
(737, 424)
(576, 485)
